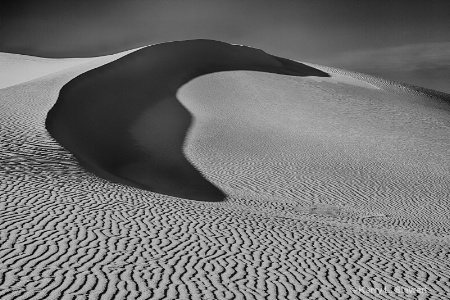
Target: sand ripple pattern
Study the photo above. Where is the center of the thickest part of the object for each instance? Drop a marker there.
(66, 234)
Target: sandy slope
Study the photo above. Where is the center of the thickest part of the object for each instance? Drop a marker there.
(333, 185)
(18, 68)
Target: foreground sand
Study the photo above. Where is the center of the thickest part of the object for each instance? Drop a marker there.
(335, 187)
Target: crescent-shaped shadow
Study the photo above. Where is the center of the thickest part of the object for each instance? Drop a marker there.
(96, 111)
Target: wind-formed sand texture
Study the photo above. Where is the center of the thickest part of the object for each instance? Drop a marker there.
(334, 187)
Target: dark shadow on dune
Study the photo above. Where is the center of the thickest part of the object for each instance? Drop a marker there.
(96, 111)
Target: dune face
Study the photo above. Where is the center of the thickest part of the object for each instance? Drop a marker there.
(124, 123)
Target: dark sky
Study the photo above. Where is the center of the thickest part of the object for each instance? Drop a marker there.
(408, 41)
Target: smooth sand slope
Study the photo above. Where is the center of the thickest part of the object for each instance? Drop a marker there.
(124, 122)
(18, 68)
(335, 188)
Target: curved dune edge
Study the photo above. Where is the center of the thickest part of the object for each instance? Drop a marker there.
(123, 121)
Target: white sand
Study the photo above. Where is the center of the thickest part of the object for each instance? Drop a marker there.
(334, 186)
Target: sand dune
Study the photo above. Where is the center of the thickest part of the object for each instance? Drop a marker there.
(124, 123)
(335, 188)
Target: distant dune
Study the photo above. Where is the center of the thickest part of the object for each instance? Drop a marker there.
(335, 184)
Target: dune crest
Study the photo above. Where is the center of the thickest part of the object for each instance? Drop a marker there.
(123, 121)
